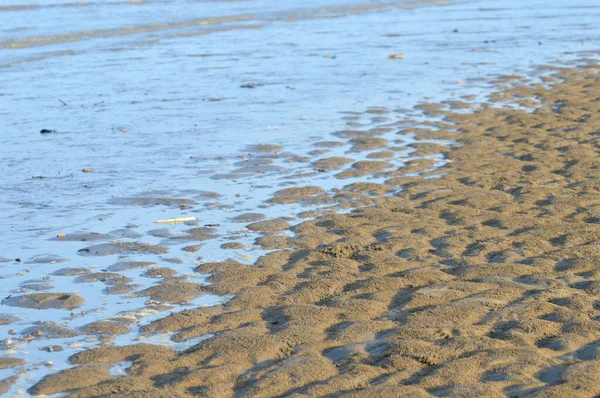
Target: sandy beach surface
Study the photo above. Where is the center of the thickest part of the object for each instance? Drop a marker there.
(252, 199)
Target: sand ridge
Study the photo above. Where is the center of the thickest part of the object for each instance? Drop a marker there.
(483, 282)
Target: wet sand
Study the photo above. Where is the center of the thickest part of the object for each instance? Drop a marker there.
(481, 282)
(211, 216)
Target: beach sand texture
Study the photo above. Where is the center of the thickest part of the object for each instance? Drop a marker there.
(230, 198)
(483, 282)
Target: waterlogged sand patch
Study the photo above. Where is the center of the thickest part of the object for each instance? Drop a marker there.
(264, 148)
(109, 249)
(254, 162)
(232, 245)
(368, 143)
(382, 155)
(417, 166)
(359, 134)
(48, 259)
(172, 260)
(7, 383)
(195, 234)
(172, 292)
(434, 110)
(127, 265)
(82, 237)
(47, 330)
(329, 144)
(126, 233)
(232, 176)
(363, 168)
(299, 194)
(257, 169)
(428, 148)
(268, 226)
(150, 201)
(457, 104)
(71, 271)
(35, 284)
(371, 165)
(370, 188)
(5, 319)
(206, 195)
(191, 248)
(109, 278)
(332, 163)
(122, 288)
(296, 191)
(161, 272)
(378, 111)
(7, 362)
(203, 230)
(110, 328)
(42, 301)
(160, 233)
(270, 242)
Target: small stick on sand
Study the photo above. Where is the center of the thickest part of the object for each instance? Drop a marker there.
(175, 220)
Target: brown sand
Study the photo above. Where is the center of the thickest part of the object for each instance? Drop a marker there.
(484, 282)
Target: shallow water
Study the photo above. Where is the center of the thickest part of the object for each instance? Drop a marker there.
(147, 95)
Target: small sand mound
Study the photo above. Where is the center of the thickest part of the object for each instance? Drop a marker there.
(269, 226)
(43, 301)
